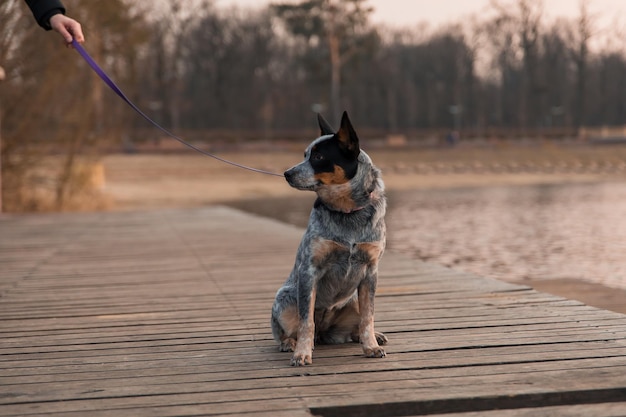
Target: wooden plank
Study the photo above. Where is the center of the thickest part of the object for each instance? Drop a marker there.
(130, 333)
(338, 379)
(167, 313)
(333, 395)
(615, 409)
(197, 367)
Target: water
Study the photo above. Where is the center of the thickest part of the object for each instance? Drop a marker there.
(512, 233)
(573, 231)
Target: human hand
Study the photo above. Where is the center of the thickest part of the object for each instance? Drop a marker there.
(68, 28)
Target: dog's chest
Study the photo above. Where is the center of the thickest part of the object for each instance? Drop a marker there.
(342, 266)
(326, 253)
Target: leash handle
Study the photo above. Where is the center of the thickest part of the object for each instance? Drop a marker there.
(103, 75)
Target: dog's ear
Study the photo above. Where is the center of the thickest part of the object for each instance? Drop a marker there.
(325, 127)
(348, 139)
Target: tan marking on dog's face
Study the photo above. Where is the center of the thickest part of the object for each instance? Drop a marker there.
(338, 197)
(332, 178)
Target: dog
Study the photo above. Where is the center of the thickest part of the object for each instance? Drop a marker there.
(329, 295)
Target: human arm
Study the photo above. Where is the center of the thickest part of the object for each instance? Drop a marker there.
(50, 14)
(68, 28)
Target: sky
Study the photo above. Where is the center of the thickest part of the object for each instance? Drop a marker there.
(407, 12)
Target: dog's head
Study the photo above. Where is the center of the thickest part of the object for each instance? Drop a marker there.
(331, 159)
(337, 170)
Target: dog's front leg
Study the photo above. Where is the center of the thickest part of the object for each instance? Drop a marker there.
(303, 354)
(367, 335)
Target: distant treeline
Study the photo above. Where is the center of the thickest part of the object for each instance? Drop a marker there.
(195, 66)
(201, 69)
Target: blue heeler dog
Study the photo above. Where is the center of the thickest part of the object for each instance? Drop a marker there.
(329, 295)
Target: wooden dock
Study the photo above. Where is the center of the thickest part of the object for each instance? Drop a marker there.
(166, 313)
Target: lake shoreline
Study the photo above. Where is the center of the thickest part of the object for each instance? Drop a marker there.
(295, 210)
(147, 181)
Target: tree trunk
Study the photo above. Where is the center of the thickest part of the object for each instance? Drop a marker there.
(335, 77)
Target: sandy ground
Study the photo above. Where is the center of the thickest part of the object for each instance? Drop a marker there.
(152, 180)
(143, 181)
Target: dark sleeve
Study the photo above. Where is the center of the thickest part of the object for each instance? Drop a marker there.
(43, 10)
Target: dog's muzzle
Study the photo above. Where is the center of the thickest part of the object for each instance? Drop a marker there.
(289, 175)
(299, 177)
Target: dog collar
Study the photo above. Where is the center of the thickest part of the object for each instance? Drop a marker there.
(354, 210)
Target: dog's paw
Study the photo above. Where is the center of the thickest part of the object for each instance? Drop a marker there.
(301, 360)
(381, 339)
(287, 345)
(375, 352)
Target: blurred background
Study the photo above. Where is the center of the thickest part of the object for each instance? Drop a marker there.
(524, 99)
(229, 72)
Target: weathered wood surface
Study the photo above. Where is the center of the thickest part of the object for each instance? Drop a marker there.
(166, 313)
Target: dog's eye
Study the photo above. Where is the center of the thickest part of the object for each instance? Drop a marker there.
(317, 157)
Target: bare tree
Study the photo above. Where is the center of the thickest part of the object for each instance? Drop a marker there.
(57, 103)
(530, 15)
(583, 34)
(340, 24)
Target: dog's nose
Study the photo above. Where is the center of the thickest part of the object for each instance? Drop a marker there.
(288, 175)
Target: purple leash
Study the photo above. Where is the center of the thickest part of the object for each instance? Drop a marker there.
(119, 92)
